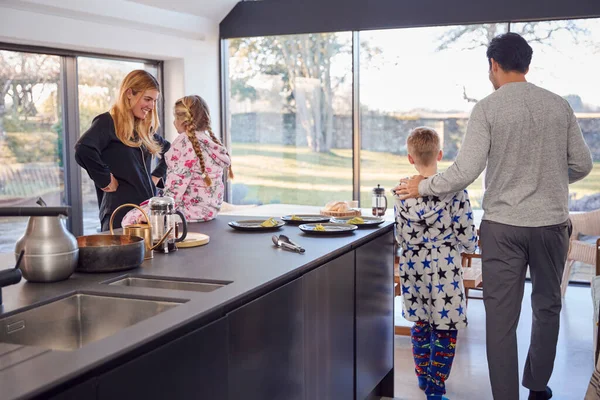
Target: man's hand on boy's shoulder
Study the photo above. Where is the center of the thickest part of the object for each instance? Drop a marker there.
(408, 188)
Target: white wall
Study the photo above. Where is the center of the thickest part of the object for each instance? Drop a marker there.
(188, 44)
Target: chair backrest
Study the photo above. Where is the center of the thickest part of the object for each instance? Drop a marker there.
(587, 223)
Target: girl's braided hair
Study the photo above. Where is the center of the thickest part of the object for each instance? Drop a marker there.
(193, 112)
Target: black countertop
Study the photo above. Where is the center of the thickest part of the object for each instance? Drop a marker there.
(248, 260)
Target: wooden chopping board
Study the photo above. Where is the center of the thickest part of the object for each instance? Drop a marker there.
(194, 239)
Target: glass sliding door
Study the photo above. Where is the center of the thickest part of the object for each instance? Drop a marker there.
(38, 118)
(31, 137)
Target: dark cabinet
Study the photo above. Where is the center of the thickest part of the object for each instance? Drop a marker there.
(82, 391)
(329, 330)
(191, 367)
(266, 340)
(327, 335)
(374, 316)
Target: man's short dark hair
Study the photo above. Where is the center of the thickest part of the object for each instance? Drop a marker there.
(511, 51)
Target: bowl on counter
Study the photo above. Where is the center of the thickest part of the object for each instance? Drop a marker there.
(109, 253)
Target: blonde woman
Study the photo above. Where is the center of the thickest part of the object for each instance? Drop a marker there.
(196, 163)
(117, 150)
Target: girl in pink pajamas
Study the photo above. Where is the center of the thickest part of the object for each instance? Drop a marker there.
(196, 164)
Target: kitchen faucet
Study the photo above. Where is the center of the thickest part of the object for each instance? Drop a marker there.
(11, 276)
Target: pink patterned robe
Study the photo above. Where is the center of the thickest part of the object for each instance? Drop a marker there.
(193, 197)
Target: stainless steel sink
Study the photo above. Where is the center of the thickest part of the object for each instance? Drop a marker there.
(172, 284)
(74, 321)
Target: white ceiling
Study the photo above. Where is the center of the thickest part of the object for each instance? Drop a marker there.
(213, 9)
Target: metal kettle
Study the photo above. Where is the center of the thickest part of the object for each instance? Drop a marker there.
(51, 251)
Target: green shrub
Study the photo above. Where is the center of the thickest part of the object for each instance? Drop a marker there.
(33, 146)
(18, 125)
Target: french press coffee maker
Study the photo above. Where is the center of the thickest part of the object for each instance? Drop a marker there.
(379, 202)
(163, 217)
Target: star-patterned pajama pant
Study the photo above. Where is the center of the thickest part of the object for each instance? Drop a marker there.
(433, 351)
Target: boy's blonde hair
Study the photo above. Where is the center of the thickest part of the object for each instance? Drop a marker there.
(423, 145)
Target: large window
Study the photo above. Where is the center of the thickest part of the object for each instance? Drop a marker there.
(290, 116)
(419, 77)
(38, 130)
(31, 137)
(98, 88)
(290, 104)
(566, 58)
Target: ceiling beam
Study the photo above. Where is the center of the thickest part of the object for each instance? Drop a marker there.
(278, 17)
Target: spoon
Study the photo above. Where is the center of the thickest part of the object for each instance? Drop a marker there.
(286, 239)
(285, 245)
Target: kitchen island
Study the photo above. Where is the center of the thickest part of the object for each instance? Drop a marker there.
(261, 323)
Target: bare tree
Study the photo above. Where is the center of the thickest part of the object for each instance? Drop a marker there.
(299, 60)
(467, 98)
(471, 37)
(19, 74)
(304, 63)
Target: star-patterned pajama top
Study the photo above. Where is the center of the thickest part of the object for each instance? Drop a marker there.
(185, 184)
(432, 232)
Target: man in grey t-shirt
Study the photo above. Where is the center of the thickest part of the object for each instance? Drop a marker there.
(533, 148)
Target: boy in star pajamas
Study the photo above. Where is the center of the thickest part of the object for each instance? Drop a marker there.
(432, 232)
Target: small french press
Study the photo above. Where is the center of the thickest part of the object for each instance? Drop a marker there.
(379, 201)
(162, 216)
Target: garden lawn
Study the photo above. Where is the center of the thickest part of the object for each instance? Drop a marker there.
(291, 175)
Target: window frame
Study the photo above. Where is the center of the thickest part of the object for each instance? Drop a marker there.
(70, 116)
(356, 122)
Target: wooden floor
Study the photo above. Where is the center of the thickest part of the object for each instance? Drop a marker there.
(469, 378)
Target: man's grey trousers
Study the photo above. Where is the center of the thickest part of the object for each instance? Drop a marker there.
(506, 252)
